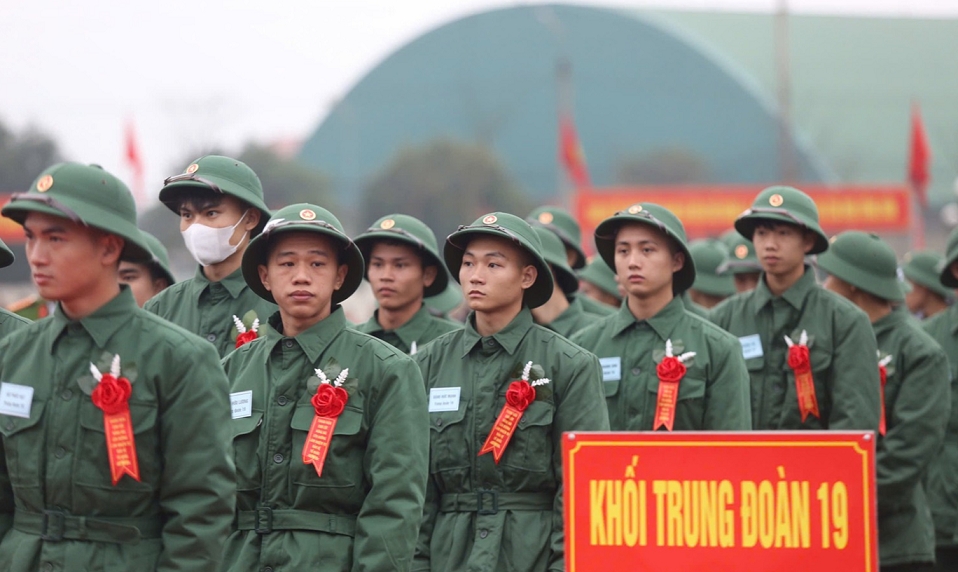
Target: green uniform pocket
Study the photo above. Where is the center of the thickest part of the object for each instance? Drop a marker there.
(690, 407)
(23, 446)
(343, 464)
(92, 464)
(531, 445)
(449, 440)
(246, 451)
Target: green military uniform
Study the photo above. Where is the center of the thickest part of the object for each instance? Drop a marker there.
(692, 306)
(713, 394)
(423, 327)
(595, 307)
(840, 338)
(363, 512)
(196, 304)
(9, 321)
(574, 318)
(480, 515)
(942, 480)
(915, 409)
(32, 308)
(59, 509)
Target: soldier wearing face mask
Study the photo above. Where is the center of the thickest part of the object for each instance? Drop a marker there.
(220, 204)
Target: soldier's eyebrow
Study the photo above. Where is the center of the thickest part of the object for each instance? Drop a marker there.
(315, 251)
(493, 254)
(54, 229)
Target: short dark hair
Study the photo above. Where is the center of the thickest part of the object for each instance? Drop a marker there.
(423, 261)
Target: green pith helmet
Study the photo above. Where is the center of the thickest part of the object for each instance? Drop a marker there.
(866, 262)
(447, 300)
(554, 253)
(411, 231)
(87, 195)
(946, 276)
(161, 259)
(598, 272)
(741, 254)
(922, 268)
(710, 257)
(303, 217)
(655, 216)
(561, 222)
(783, 204)
(510, 227)
(6, 255)
(222, 175)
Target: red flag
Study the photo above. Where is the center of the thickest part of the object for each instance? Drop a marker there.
(571, 153)
(134, 160)
(919, 158)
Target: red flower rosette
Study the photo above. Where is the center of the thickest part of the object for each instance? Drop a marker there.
(328, 402)
(801, 364)
(670, 372)
(519, 396)
(244, 335)
(245, 338)
(112, 396)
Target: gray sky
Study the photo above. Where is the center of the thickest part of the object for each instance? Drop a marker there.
(198, 73)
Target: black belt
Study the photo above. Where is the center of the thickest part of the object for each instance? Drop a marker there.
(491, 502)
(56, 525)
(266, 520)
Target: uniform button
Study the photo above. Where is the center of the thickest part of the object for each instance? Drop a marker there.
(268, 569)
(277, 458)
(483, 533)
(66, 395)
(636, 371)
(47, 567)
(211, 337)
(60, 452)
(9, 425)
(281, 400)
(439, 422)
(288, 343)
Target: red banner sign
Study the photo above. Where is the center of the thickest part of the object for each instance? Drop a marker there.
(720, 501)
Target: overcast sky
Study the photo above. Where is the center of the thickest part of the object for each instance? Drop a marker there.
(197, 73)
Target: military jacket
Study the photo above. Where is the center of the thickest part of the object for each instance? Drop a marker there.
(363, 512)
(207, 308)
(916, 413)
(594, 306)
(693, 307)
(59, 509)
(713, 394)
(841, 345)
(421, 329)
(573, 320)
(10, 322)
(942, 480)
(519, 527)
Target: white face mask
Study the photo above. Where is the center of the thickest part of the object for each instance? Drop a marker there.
(210, 245)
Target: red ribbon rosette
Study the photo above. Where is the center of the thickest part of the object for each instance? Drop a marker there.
(519, 396)
(244, 336)
(801, 364)
(329, 401)
(670, 372)
(112, 395)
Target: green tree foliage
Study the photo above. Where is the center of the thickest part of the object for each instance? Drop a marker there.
(23, 156)
(444, 183)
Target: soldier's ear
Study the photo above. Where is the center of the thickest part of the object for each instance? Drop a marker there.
(678, 262)
(808, 241)
(111, 248)
(429, 275)
(529, 275)
(264, 276)
(252, 219)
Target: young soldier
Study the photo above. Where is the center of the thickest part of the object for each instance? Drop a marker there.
(9, 321)
(942, 481)
(742, 262)
(147, 279)
(563, 312)
(564, 225)
(220, 204)
(789, 309)
(597, 281)
(928, 296)
(914, 373)
(114, 422)
(653, 331)
(713, 283)
(330, 424)
(403, 267)
(495, 503)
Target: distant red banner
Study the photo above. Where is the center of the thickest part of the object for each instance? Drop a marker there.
(720, 501)
(711, 210)
(10, 232)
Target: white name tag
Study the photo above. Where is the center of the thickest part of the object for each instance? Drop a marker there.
(15, 400)
(751, 346)
(241, 403)
(611, 368)
(444, 399)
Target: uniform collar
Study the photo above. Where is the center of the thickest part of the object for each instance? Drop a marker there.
(662, 323)
(795, 295)
(411, 331)
(570, 314)
(234, 283)
(508, 338)
(315, 339)
(894, 319)
(107, 320)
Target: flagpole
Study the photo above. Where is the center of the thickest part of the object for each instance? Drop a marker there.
(916, 227)
(786, 152)
(564, 107)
